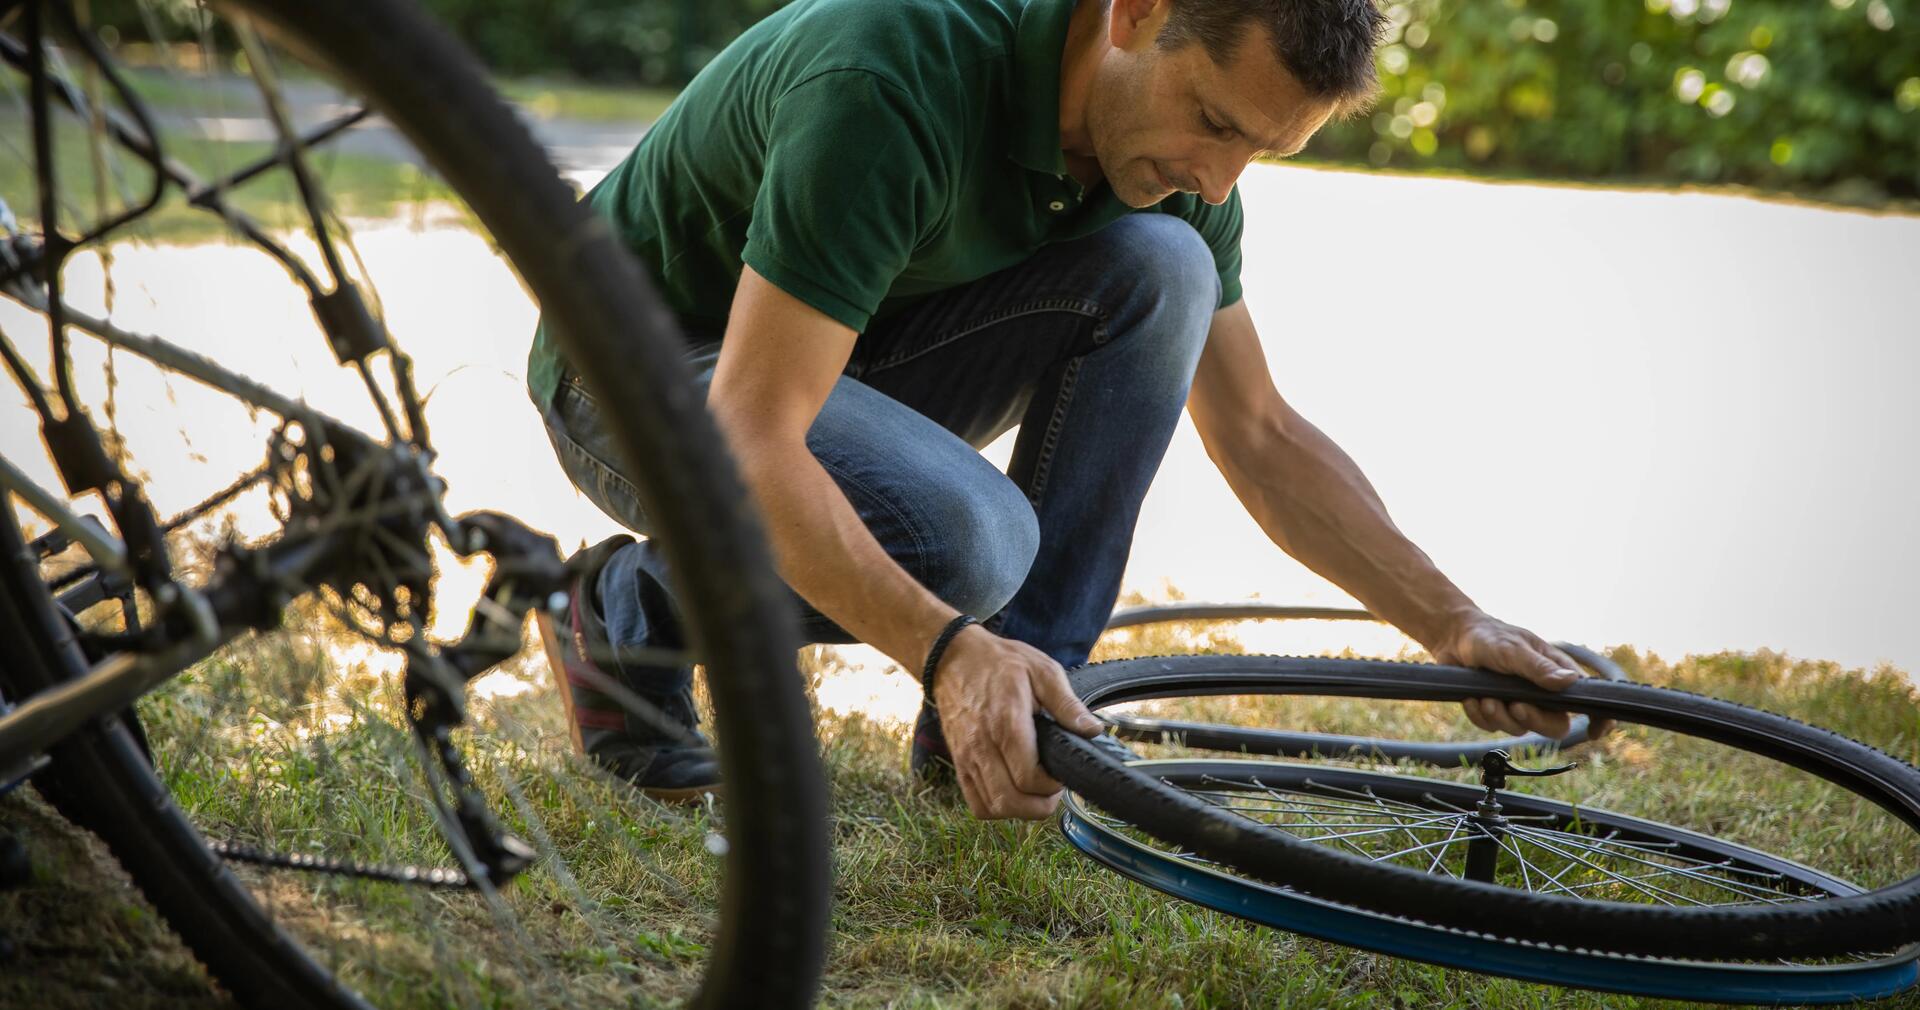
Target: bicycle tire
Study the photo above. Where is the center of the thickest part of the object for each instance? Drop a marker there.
(769, 942)
(1315, 793)
(1281, 743)
(1871, 921)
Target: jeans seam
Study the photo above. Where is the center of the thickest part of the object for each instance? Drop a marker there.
(1043, 460)
(1078, 306)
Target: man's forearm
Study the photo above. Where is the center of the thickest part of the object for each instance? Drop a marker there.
(1313, 501)
(832, 560)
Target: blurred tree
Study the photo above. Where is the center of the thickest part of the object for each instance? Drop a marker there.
(1799, 94)
(650, 42)
(1808, 95)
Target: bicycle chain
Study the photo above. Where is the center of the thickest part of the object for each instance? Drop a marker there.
(391, 873)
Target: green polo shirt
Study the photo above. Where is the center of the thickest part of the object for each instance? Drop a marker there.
(860, 155)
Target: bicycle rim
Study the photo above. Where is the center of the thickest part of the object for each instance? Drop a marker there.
(1878, 919)
(1554, 847)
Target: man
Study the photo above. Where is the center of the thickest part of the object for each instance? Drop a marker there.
(893, 229)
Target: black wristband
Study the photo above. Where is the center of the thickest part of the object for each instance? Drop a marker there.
(940, 644)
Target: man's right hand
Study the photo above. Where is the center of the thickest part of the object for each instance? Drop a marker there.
(987, 689)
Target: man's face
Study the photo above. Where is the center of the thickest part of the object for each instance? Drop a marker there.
(1164, 122)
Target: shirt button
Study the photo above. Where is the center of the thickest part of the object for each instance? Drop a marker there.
(1057, 206)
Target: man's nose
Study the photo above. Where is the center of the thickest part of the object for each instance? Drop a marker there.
(1217, 175)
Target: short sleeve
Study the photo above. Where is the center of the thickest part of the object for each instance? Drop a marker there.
(1220, 227)
(852, 180)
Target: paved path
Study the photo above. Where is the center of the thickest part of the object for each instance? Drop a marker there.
(228, 108)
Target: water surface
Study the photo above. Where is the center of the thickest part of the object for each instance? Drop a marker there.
(1679, 421)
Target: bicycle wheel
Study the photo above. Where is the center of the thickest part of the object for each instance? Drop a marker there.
(1282, 743)
(1576, 892)
(749, 919)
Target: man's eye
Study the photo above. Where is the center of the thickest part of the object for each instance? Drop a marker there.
(1207, 123)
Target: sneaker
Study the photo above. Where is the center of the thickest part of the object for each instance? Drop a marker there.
(662, 764)
(930, 761)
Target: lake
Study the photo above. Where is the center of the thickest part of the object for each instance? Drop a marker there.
(1680, 421)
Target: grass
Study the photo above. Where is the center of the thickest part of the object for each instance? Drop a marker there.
(549, 98)
(274, 742)
(189, 90)
(356, 186)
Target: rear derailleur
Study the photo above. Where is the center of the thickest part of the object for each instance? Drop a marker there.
(527, 573)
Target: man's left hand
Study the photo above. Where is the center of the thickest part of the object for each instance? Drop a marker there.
(1489, 644)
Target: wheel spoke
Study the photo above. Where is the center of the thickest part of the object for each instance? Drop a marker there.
(1696, 873)
(1661, 894)
(1440, 854)
(1441, 845)
(1434, 824)
(1527, 868)
(1356, 820)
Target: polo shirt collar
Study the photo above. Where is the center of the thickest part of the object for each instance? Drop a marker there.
(1039, 43)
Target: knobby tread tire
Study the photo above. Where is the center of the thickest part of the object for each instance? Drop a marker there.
(773, 919)
(1877, 920)
(1246, 740)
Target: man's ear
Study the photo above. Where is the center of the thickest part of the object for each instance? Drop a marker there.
(1132, 25)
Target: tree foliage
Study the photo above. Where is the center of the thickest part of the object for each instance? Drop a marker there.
(652, 42)
(1799, 94)
(1793, 94)
(1819, 95)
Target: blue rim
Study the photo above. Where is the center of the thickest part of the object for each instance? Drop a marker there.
(1300, 913)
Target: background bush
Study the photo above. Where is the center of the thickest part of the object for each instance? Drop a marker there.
(1797, 94)
(652, 42)
(1778, 93)
(1809, 95)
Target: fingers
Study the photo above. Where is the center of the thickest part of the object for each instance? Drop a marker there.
(970, 788)
(1491, 715)
(1597, 727)
(1556, 654)
(1539, 720)
(1517, 718)
(1018, 801)
(988, 782)
(1054, 693)
(1544, 665)
(989, 723)
(1504, 648)
(1019, 754)
(1472, 707)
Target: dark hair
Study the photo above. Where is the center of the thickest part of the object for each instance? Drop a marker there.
(1326, 44)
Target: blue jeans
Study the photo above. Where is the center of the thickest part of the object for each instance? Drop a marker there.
(1089, 346)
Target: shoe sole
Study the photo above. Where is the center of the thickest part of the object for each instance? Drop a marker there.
(687, 796)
